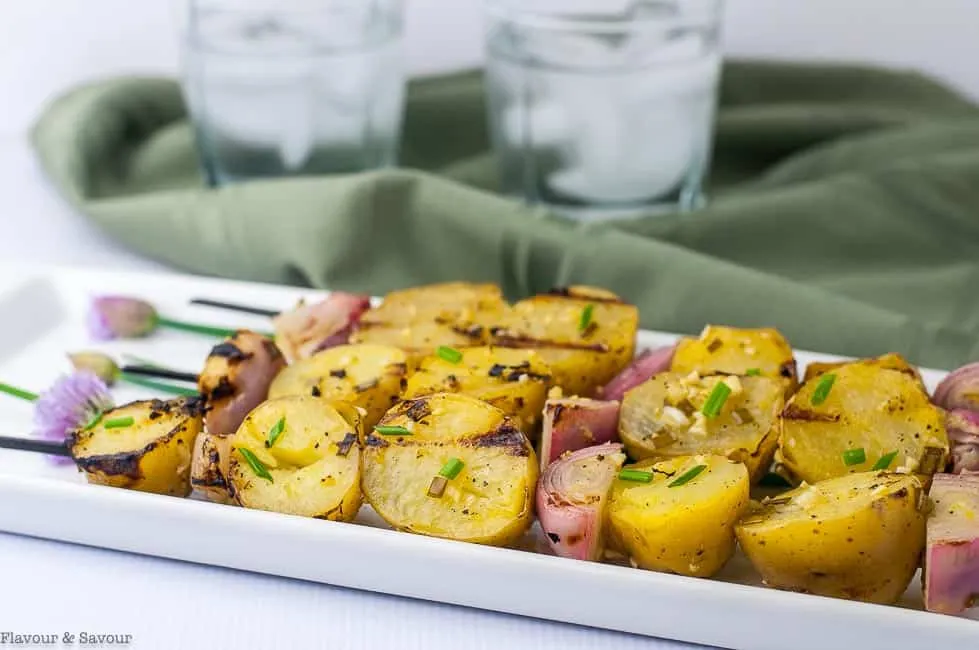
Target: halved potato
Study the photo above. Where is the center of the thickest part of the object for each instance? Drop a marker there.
(857, 536)
(488, 502)
(729, 350)
(420, 319)
(515, 381)
(663, 418)
(311, 469)
(869, 411)
(143, 446)
(585, 335)
(675, 526)
(368, 376)
(891, 361)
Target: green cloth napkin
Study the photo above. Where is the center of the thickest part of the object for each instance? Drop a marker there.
(845, 209)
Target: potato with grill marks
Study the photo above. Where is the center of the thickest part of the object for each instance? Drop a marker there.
(734, 351)
(452, 466)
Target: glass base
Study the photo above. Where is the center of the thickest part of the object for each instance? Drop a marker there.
(596, 212)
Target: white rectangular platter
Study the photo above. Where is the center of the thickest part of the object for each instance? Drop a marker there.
(43, 317)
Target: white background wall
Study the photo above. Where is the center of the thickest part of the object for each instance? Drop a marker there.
(47, 45)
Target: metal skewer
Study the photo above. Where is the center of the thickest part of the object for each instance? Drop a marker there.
(245, 309)
(162, 373)
(50, 447)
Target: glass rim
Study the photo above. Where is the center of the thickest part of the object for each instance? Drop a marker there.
(289, 6)
(513, 12)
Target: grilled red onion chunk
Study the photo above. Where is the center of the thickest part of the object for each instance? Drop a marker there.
(308, 329)
(963, 435)
(571, 497)
(951, 573)
(960, 389)
(642, 369)
(575, 423)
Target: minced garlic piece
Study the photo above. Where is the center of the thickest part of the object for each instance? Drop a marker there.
(674, 417)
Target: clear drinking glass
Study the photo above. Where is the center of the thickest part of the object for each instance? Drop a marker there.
(603, 108)
(291, 87)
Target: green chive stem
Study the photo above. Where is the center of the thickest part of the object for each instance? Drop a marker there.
(392, 430)
(118, 423)
(712, 407)
(207, 330)
(635, 475)
(157, 385)
(449, 354)
(753, 372)
(257, 466)
(275, 432)
(688, 476)
(822, 389)
(586, 316)
(91, 424)
(451, 468)
(18, 392)
(854, 456)
(884, 461)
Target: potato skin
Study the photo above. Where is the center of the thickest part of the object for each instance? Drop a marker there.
(868, 407)
(687, 529)
(730, 350)
(648, 432)
(368, 376)
(858, 537)
(489, 502)
(515, 381)
(315, 463)
(581, 360)
(890, 361)
(151, 455)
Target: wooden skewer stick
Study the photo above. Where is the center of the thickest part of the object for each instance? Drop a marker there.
(36, 445)
(245, 309)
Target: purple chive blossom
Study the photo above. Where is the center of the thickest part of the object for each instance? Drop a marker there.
(72, 402)
(114, 317)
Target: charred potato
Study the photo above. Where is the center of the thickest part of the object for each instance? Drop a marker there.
(728, 350)
(368, 376)
(421, 319)
(236, 379)
(585, 335)
(849, 420)
(489, 500)
(515, 381)
(299, 456)
(682, 519)
(857, 536)
(143, 446)
(891, 361)
(209, 467)
(664, 418)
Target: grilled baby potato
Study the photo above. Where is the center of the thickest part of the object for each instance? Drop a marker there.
(663, 418)
(236, 379)
(857, 536)
(421, 319)
(891, 361)
(368, 376)
(299, 456)
(143, 446)
(682, 520)
(514, 381)
(728, 350)
(585, 335)
(849, 420)
(488, 502)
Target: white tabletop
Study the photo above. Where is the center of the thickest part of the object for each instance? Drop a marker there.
(58, 588)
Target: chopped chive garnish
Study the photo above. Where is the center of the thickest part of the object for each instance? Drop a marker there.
(93, 422)
(636, 475)
(118, 423)
(822, 389)
(451, 468)
(449, 354)
(884, 461)
(585, 319)
(392, 431)
(854, 456)
(714, 404)
(257, 466)
(688, 476)
(275, 432)
(437, 487)
(753, 372)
